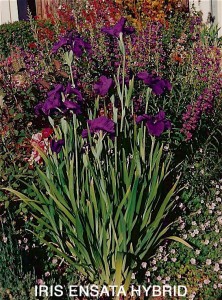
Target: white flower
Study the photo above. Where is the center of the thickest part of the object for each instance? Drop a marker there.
(4, 238)
(217, 267)
(219, 220)
(206, 242)
(206, 281)
(197, 252)
(208, 262)
(181, 205)
(54, 261)
(144, 265)
(167, 278)
(173, 251)
(154, 268)
(192, 296)
(194, 223)
(159, 278)
(213, 205)
(193, 261)
(173, 259)
(182, 226)
(133, 276)
(147, 273)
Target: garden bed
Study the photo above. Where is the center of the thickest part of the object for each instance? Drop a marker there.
(110, 153)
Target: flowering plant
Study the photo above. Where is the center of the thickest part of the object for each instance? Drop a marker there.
(103, 207)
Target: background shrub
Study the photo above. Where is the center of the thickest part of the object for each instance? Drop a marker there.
(15, 34)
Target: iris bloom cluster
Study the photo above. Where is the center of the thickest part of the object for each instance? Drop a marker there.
(55, 101)
(69, 98)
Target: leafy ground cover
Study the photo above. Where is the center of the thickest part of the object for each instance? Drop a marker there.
(105, 114)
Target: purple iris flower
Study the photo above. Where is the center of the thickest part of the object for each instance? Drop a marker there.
(101, 123)
(38, 108)
(103, 85)
(71, 90)
(70, 105)
(58, 89)
(157, 124)
(51, 104)
(156, 83)
(79, 45)
(54, 100)
(57, 146)
(73, 40)
(63, 41)
(118, 28)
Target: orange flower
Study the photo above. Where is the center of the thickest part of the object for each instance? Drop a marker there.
(177, 57)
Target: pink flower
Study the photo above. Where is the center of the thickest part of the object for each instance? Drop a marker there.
(207, 281)
(40, 281)
(217, 267)
(39, 141)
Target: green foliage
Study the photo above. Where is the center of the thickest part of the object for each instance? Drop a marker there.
(210, 35)
(102, 212)
(14, 34)
(199, 269)
(103, 205)
(15, 283)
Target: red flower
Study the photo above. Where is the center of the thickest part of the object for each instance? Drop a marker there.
(46, 132)
(32, 45)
